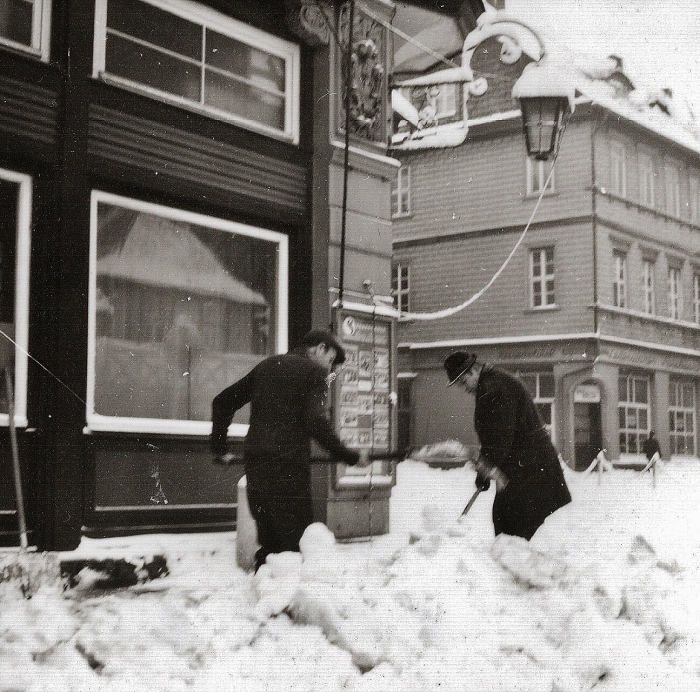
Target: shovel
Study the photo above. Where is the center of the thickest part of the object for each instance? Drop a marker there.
(472, 500)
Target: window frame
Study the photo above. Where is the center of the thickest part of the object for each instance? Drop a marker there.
(25, 193)
(41, 32)
(223, 24)
(538, 176)
(694, 198)
(400, 190)
(646, 181)
(542, 279)
(672, 181)
(397, 274)
(620, 279)
(618, 169)
(98, 422)
(631, 404)
(649, 286)
(686, 413)
(675, 292)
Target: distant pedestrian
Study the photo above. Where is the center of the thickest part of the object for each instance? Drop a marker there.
(287, 394)
(651, 446)
(516, 450)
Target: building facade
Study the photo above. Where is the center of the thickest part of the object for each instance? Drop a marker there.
(597, 310)
(180, 182)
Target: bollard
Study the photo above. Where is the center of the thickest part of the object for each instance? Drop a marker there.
(246, 531)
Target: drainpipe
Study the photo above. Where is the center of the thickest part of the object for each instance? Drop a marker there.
(594, 211)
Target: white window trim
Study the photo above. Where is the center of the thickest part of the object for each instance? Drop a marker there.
(41, 32)
(97, 422)
(675, 293)
(399, 292)
(223, 24)
(21, 337)
(403, 184)
(542, 279)
(649, 286)
(618, 169)
(540, 178)
(620, 279)
(679, 408)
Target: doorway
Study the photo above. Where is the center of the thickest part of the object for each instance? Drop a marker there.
(588, 431)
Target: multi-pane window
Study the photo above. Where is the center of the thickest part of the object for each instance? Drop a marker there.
(540, 385)
(696, 298)
(400, 286)
(24, 25)
(649, 291)
(537, 174)
(182, 52)
(675, 293)
(694, 199)
(181, 305)
(541, 277)
(633, 413)
(673, 191)
(618, 169)
(401, 193)
(15, 224)
(620, 279)
(681, 417)
(646, 180)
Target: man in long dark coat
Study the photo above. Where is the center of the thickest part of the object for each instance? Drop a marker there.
(287, 394)
(516, 450)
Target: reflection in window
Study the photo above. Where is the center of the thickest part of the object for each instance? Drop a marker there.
(202, 58)
(182, 310)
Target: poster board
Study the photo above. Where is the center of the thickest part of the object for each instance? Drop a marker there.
(364, 396)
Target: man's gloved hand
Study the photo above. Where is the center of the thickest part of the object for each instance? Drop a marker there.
(482, 482)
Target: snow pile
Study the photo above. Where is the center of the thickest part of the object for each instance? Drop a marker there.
(605, 597)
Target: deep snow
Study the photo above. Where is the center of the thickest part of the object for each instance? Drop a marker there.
(605, 596)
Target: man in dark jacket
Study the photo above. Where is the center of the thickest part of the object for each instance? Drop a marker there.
(287, 394)
(516, 451)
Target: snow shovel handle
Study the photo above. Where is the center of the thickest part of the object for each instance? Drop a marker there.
(471, 501)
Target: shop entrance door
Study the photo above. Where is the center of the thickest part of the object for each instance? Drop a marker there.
(588, 434)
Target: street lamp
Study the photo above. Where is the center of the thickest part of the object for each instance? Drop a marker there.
(545, 97)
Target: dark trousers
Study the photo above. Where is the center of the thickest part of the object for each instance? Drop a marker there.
(280, 520)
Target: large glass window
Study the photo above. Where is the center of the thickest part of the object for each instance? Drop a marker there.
(181, 306)
(24, 25)
(542, 277)
(15, 215)
(633, 410)
(184, 52)
(681, 417)
(620, 279)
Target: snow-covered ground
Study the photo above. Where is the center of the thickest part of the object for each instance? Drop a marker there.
(606, 596)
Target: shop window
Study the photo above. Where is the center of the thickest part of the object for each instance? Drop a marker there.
(648, 267)
(181, 306)
(618, 169)
(185, 53)
(675, 293)
(540, 386)
(542, 277)
(537, 173)
(620, 279)
(401, 286)
(401, 193)
(646, 180)
(15, 214)
(681, 417)
(633, 412)
(24, 26)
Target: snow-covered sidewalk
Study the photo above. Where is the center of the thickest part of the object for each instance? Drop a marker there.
(606, 596)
